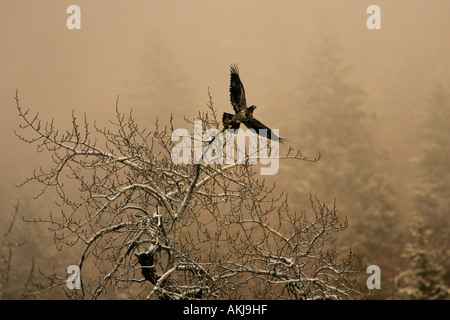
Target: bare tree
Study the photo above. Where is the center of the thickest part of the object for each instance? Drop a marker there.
(8, 287)
(159, 230)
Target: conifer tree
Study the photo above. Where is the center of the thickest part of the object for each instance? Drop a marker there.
(334, 120)
(423, 280)
(432, 187)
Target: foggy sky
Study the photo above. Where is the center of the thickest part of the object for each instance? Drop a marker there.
(58, 70)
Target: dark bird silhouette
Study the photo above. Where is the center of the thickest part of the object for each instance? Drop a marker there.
(147, 262)
(242, 113)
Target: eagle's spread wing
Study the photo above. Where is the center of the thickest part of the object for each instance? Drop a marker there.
(237, 92)
(256, 125)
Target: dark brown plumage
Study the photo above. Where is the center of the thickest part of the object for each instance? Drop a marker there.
(242, 113)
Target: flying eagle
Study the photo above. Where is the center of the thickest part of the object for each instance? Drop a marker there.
(242, 113)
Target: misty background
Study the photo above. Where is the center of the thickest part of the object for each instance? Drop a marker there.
(366, 99)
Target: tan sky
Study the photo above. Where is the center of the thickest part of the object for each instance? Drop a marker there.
(170, 52)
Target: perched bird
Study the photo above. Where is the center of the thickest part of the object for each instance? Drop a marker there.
(242, 113)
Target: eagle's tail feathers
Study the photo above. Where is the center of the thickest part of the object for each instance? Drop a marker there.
(227, 120)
